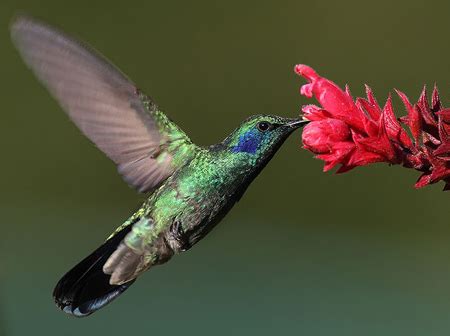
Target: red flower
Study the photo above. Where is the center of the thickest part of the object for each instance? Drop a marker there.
(353, 133)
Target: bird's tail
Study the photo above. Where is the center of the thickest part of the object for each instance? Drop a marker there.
(86, 288)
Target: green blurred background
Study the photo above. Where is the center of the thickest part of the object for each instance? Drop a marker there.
(303, 252)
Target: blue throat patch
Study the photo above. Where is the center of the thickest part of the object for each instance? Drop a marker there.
(248, 142)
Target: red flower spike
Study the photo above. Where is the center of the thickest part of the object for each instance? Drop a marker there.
(352, 133)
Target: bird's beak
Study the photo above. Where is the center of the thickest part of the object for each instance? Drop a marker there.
(297, 123)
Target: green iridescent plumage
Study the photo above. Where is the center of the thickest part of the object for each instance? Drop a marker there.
(191, 188)
(194, 196)
(174, 142)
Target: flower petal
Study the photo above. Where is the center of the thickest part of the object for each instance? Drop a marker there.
(331, 97)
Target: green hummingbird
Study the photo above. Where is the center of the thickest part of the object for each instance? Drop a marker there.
(191, 188)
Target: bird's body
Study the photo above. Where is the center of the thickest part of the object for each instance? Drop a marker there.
(191, 188)
(188, 204)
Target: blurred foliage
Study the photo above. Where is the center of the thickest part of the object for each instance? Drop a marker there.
(303, 252)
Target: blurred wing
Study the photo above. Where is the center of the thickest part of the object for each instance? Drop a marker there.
(107, 107)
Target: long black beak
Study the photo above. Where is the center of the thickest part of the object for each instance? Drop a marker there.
(297, 123)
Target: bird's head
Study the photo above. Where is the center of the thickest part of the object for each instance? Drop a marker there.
(259, 137)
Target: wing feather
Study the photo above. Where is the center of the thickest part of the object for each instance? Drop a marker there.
(107, 107)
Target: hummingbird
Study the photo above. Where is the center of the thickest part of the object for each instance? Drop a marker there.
(190, 188)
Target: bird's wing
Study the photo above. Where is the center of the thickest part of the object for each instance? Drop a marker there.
(107, 107)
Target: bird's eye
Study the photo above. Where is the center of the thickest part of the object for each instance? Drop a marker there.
(263, 126)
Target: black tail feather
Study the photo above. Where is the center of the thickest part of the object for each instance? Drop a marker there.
(85, 288)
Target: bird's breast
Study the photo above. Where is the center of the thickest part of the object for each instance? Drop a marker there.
(196, 198)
